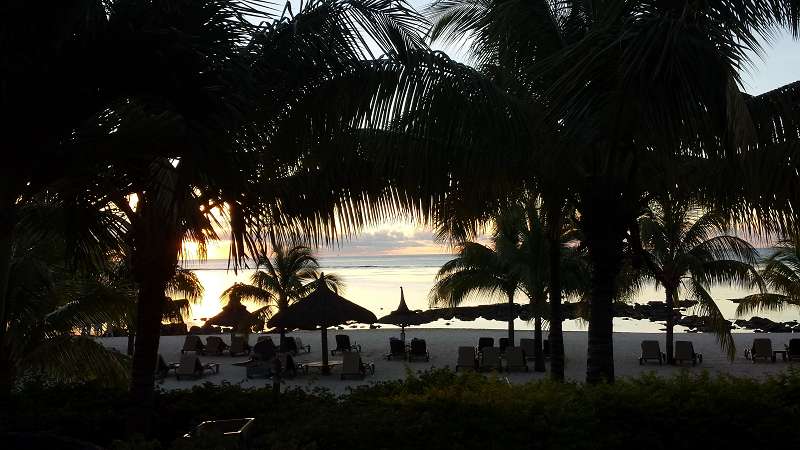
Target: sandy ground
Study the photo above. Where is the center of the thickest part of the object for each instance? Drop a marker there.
(443, 343)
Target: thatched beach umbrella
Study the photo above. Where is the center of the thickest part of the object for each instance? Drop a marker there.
(234, 315)
(402, 317)
(322, 308)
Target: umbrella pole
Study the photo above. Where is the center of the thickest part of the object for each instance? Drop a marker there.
(403, 333)
(325, 369)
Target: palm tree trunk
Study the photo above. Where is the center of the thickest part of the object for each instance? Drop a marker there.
(554, 291)
(511, 318)
(672, 293)
(538, 354)
(148, 326)
(605, 232)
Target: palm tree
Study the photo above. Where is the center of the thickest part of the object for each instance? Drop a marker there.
(686, 247)
(781, 278)
(289, 276)
(586, 72)
(524, 241)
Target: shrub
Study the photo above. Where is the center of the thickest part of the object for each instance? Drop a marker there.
(440, 409)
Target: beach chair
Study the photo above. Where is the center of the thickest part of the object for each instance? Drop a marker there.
(263, 350)
(418, 351)
(485, 342)
(215, 345)
(300, 347)
(190, 366)
(267, 339)
(289, 345)
(762, 348)
(490, 359)
(503, 344)
(397, 349)
(163, 368)
(515, 360)
(289, 367)
(343, 345)
(793, 349)
(652, 350)
(684, 351)
(528, 347)
(353, 367)
(466, 359)
(193, 344)
(239, 346)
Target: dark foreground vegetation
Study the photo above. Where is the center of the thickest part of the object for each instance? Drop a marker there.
(440, 409)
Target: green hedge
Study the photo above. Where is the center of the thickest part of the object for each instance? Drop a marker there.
(442, 410)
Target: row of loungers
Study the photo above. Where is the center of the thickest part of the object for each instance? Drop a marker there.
(491, 359)
(528, 346)
(417, 350)
(239, 346)
(684, 352)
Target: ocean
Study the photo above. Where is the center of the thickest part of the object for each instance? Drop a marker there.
(374, 282)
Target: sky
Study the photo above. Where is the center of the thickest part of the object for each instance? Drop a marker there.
(779, 65)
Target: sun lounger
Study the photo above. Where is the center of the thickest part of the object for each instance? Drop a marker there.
(485, 342)
(528, 347)
(163, 368)
(490, 359)
(397, 349)
(239, 346)
(300, 347)
(190, 366)
(193, 344)
(684, 351)
(503, 344)
(267, 339)
(289, 367)
(466, 359)
(418, 351)
(651, 350)
(215, 345)
(343, 345)
(762, 348)
(515, 360)
(353, 367)
(793, 349)
(263, 350)
(290, 345)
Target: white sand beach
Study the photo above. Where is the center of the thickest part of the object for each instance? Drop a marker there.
(443, 343)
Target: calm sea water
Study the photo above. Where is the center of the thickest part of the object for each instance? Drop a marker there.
(374, 283)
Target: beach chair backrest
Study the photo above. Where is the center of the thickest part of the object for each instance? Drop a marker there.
(264, 350)
(267, 339)
(684, 350)
(237, 344)
(189, 365)
(651, 349)
(794, 346)
(290, 345)
(342, 342)
(504, 343)
(192, 343)
(528, 347)
(298, 343)
(515, 356)
(466, 356)
(418, 347)
(490, 357)
(485, 342)
(162, 366)
(351, 363)
(214, 344)
(396, 346)
(762, 347)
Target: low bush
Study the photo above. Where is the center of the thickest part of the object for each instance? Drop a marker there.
(440, 409)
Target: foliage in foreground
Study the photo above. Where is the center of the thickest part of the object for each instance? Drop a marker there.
(440, 409)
